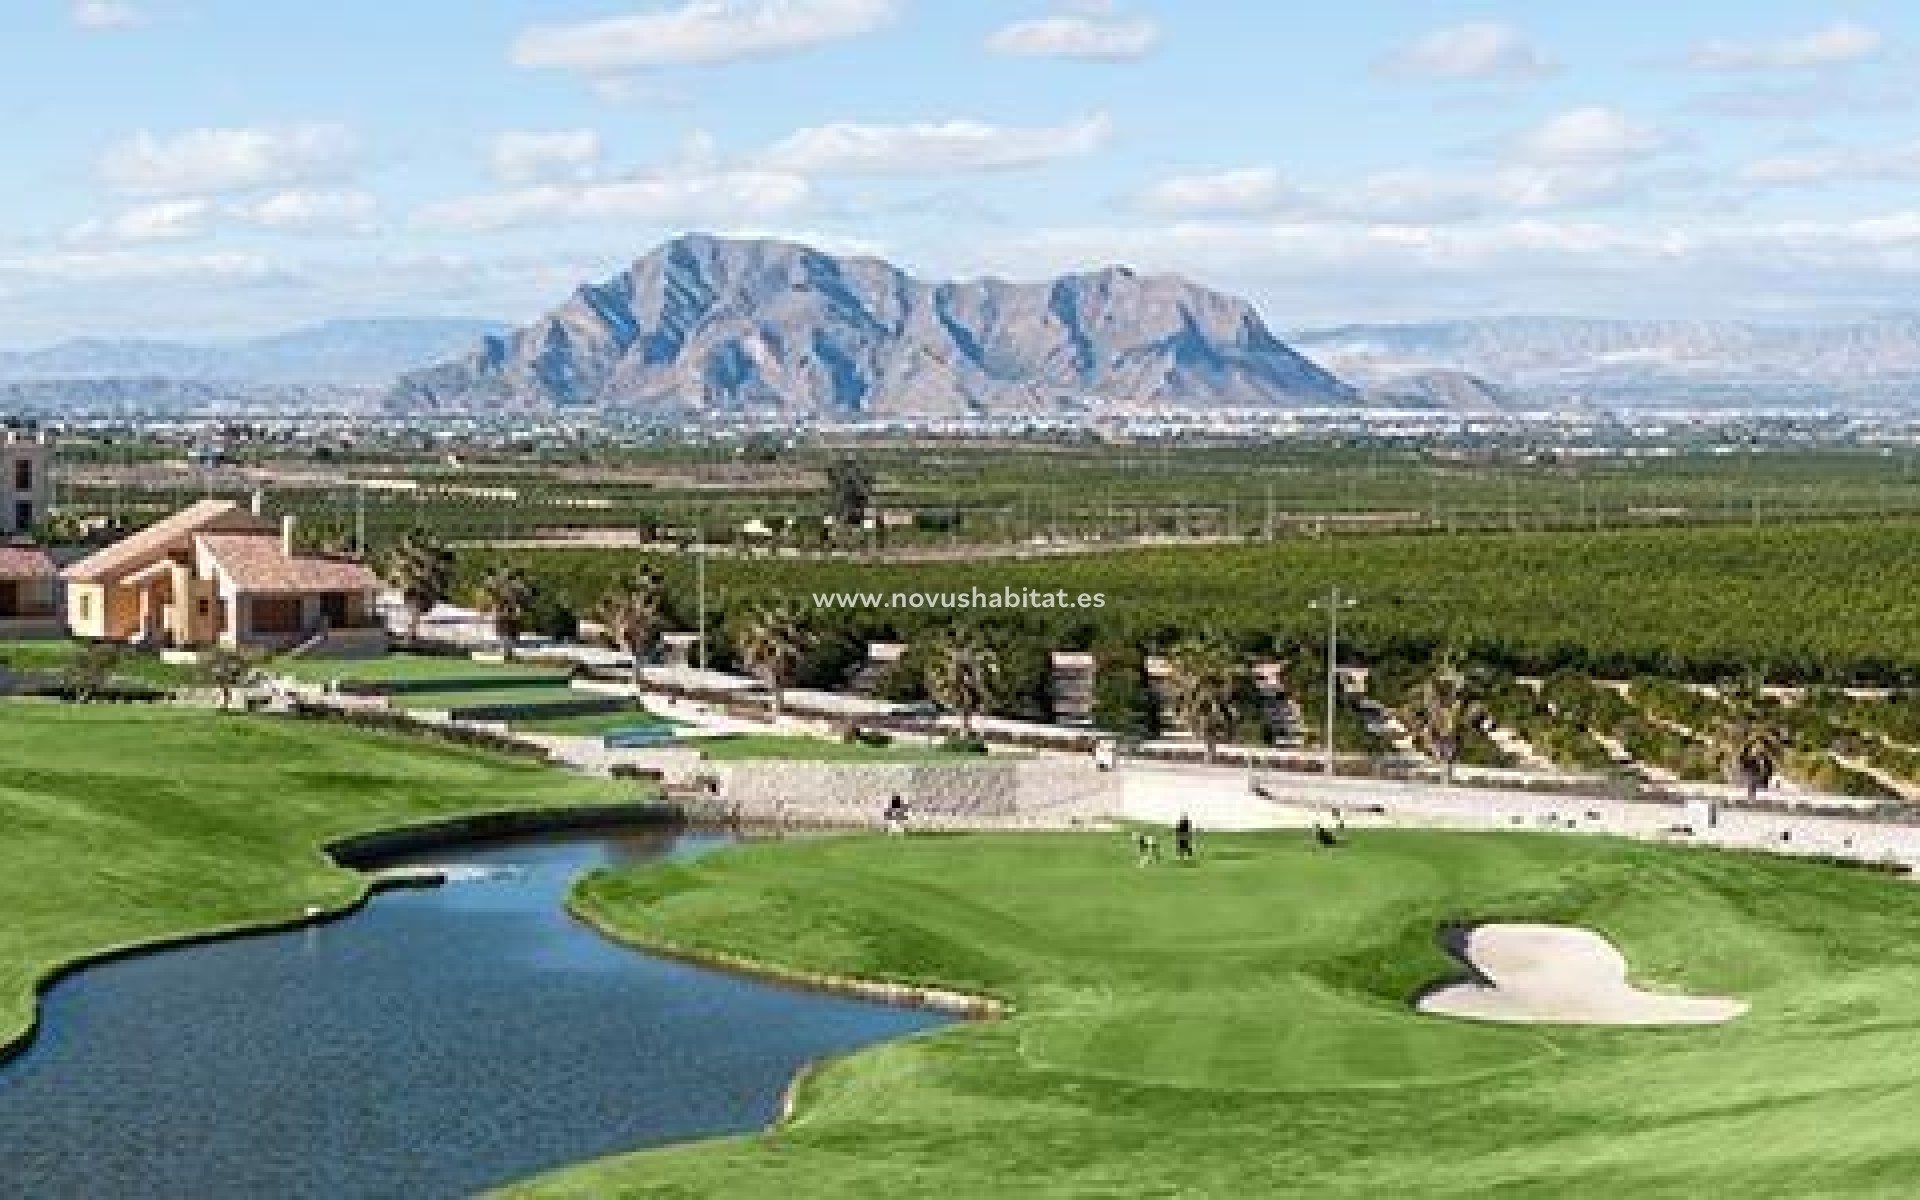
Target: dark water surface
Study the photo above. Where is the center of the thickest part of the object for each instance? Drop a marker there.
(435, 1043)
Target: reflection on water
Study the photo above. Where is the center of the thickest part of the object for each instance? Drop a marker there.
(438, 1042)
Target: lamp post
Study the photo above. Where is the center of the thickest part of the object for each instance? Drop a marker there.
(700, 573)
(1333, 602)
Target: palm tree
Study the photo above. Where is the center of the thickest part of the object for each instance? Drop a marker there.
(226, 670)
(963, 674)
(88, 673)
(772, 643)
(422, 569)
(1204, 677)
(1445, 710)
(506, 594)
(631, 617)
(1753, 747)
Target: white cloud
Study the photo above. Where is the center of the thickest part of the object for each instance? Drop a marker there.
(1094, 36)
(105, 14)
(1819, 168)
(211, 161)
(310, 212)
(698, 33)
(1590, 135)
(1476, 51)
(677, 196)
(934, 147)
(528, 157)
(288, 212)
(1241, 191)
(161, 221)
(1835, 46)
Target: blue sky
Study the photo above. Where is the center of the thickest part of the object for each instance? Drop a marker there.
(210, 168)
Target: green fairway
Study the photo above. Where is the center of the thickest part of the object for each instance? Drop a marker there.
(409, 668)
(121, 825)
(1242, 1028)
(595, 724)
(531, 695)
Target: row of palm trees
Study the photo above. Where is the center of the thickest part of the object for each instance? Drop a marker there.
(964, 672)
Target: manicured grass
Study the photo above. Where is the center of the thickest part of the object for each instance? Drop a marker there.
(407, 667)
(1243, 1028)
(54, 654)
(594, 724)
(525, 694)
(808, 749)
(124, 824)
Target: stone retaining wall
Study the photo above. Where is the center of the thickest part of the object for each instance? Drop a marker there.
(1019, 793)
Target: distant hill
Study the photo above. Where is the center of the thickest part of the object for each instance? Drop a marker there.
(1630, 363)
(334, 354)
(716, 325)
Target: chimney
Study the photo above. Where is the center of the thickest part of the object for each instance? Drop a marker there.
(288, 525)
(259, 502)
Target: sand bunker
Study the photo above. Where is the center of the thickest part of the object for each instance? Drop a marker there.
(1557, 975)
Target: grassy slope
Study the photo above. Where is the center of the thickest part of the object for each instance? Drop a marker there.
(1241, 1029)
(409, 667)
(126, 824)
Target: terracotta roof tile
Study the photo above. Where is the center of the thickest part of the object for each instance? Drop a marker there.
(255, 563)
(25, 562)
(134, 551)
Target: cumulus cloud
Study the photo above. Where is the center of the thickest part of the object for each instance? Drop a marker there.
(1477, 51)
(161, 221)
(1241, 190)
(934, 147)
(699, 33)
(1308, 270)
(1823, 167)
(105, 14)
(1591, 135)
(310, 212)
(671, 197)
(529, 157)
(1095, 36)
(292, 211)
(204, 162)
(1834, 46)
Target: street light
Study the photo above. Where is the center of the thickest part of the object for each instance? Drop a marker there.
(1334, 601)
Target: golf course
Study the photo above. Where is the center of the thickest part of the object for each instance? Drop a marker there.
(123, 825)
(1241, 1025)
(1244, 1026)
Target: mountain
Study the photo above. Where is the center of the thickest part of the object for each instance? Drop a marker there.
(1444, 388)
(1551, 360)
(334, 354)
(715, 325)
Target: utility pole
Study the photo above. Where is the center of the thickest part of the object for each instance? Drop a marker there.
(700, 577)
(360, 521)
(1334, 601)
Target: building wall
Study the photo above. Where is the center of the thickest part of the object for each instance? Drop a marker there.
(31, 453)
(98, 610)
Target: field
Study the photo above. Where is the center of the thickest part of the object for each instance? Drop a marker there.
(129, 824)
(1243, 1027)
(1804, 602)
(988, 493)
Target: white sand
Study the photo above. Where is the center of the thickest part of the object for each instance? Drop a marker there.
(1557, 975)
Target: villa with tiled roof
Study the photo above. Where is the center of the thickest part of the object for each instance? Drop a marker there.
(216, 573)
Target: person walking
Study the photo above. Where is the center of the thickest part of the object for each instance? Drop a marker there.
(896, 817)
(1183, 838)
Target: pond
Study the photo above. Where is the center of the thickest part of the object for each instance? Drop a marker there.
(437, 1042)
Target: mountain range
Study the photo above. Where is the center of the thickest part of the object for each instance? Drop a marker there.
(357, 353)
(1624, 364)
(708, 325)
